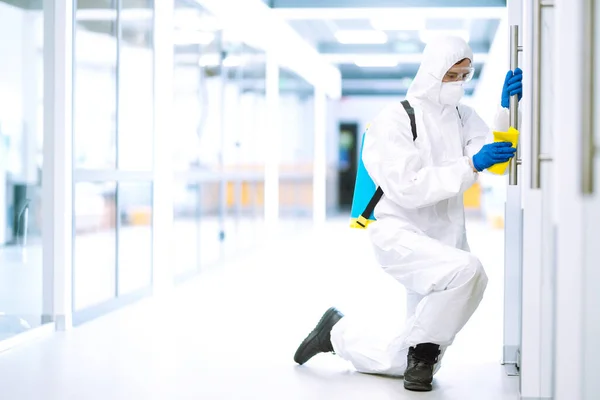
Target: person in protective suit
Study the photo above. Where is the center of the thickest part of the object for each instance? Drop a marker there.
(419, 235)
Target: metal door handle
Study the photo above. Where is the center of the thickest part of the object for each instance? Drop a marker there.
(588, 150)
(23, 223)
(513, 108)
(536, 136)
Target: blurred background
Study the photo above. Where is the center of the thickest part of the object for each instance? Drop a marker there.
(227, 100)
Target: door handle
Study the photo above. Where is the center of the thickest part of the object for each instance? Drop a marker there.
(588, 150)
(536, 134)
(513, 107)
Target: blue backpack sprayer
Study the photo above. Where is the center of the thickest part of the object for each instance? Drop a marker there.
(366, 193)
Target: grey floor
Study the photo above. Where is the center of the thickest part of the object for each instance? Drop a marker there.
(232, 332)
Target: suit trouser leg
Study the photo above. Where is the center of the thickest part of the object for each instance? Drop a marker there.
(451, 283)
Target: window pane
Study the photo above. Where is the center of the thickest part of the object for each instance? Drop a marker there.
(186, 243)
(244, 149)
(136, 86)
(295, 179)
(213, 250)
(95, 84)
(196, 138)
(21, 135)
(94, 262)
(196, 116)
(135, 236)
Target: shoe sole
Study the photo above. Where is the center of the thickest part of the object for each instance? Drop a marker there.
(418, 386)
(313, 335)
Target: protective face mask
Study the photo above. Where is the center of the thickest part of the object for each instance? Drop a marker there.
(451, 93)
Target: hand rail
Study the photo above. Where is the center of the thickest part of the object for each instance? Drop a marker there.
(536, 135)
(513, 109)
(588, 150)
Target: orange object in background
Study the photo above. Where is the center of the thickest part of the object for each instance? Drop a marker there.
(472, 197)
(141, 216)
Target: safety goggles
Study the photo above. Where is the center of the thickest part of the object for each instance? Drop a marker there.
(459, 74)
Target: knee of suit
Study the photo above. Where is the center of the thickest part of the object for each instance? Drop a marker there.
(478, 271)
(473, 271)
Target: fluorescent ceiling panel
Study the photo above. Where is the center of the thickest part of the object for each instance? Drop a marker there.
(408, 58)
(376, 62)
(262, 28)
(361, 37)
(405, 23)
(426, 35)
(389, 13)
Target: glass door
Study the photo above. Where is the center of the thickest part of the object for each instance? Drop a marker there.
(590, 167)
(113, 147)
(21, 170)
(513, 232)
(577, 294)
(538, 270)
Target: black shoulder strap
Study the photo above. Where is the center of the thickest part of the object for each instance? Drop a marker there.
(459, 116)
(411, 114)
(379, 192)
(371, 206)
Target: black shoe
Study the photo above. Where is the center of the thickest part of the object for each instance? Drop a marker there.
(319, 340)
(419, 371)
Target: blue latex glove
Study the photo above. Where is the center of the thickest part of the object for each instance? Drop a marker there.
(513, 85)
(492, 154)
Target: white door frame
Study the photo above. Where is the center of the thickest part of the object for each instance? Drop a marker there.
(513, 239)
(57, 210)
(538, 223)
(569, 317)
(590, 169)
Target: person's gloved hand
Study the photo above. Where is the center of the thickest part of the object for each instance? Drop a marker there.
(492, 154)
(513, 85)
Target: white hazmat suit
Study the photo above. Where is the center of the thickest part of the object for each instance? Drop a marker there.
(419, 237)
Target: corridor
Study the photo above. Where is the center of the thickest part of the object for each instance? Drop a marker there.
(231, 334)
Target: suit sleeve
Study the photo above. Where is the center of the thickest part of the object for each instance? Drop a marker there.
(393, 162)
(476, 131)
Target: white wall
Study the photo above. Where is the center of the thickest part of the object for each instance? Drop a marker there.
(359, 109)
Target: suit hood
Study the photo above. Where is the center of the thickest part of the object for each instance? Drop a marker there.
(439, 56)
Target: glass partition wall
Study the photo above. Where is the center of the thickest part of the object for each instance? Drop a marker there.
(100, 255)
(113, 138)
(218, 117)
(21, 168)
(297, 144)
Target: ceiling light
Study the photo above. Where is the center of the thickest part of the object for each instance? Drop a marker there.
(426, 35)
(406, 23)
(350, 13)
(376, 62)
(361, 37)
(182, 38)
